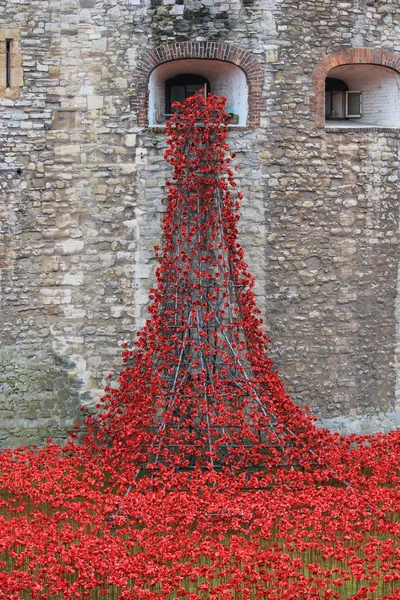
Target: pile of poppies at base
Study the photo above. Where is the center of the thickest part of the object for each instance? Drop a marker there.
(198, 477)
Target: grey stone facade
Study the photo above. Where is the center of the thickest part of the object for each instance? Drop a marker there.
(82, 196)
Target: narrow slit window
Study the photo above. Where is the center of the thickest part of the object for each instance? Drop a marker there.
(11, 72)
(8, 63)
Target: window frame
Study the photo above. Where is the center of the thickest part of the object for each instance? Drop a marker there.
(348, 115)
(183, 80)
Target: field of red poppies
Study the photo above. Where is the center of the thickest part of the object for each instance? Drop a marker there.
(71, 531)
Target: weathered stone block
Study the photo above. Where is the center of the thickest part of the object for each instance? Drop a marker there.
(95, 102)
(70, 246)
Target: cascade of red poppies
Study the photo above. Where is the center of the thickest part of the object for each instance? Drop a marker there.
(199, 389)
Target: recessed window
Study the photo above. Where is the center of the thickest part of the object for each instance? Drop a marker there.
(11, 75)
(177, 80)
(340, 102)
(181, 87)
(362, 95)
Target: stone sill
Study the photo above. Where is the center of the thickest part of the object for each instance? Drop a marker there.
(163, 128)
(362, 129)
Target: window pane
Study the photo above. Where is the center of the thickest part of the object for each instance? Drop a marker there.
(8, 63)
(338, 104)
(193, 88)
(354, 103)
(177, 95)
(328, 104)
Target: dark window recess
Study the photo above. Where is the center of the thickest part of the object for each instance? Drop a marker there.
(8, 63)
(340, 102)
(178, 88)
(335, 98)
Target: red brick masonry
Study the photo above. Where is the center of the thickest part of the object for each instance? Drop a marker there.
(202, 50)
(348, 56)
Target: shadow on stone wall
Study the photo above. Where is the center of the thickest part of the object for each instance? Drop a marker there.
(38, 397)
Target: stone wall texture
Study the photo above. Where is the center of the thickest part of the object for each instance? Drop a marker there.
(82, 195)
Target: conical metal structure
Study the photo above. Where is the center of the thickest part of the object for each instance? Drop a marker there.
(199, 389)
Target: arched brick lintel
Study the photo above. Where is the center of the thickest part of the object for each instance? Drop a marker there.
(348, 56)
(203, 50)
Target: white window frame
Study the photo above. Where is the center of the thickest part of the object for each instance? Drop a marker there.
(347, 114)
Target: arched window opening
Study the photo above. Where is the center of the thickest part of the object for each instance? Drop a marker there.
(181, 87)
(362, 95)
(178, 79)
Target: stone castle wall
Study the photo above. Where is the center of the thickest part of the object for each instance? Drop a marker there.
(82, 196)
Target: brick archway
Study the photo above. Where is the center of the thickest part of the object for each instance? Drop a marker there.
(202, 50)
(350, 56)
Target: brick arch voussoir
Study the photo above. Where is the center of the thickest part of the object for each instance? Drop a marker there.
(348, 56)
(202, 50)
